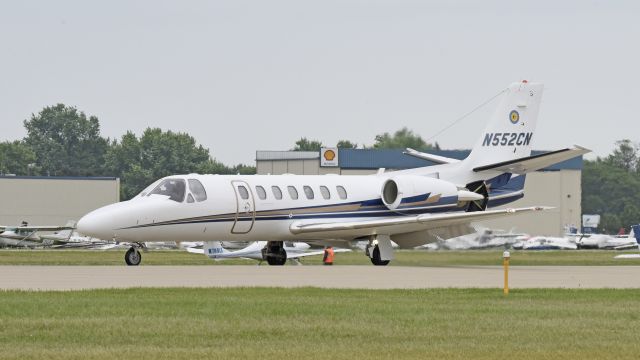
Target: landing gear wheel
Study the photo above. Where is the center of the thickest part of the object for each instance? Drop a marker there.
(375, 259)
(278, 259)
(275, 254)
(132, 257)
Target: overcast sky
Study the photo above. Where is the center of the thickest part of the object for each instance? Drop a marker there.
(242, 76)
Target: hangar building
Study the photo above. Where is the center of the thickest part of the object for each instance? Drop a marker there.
(51, 200)
(558, 186)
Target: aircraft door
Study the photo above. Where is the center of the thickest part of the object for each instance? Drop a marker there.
(246, 208)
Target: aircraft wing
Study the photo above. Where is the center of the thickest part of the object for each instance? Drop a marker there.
(38, 228)
(535, 162)
(445, 224)
(313, 253)
(105, 246)
(195, 250)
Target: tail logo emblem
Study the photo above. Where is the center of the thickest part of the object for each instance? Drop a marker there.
(514, 117)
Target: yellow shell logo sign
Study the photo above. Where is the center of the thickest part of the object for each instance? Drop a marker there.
(514, 117)
(329, 155)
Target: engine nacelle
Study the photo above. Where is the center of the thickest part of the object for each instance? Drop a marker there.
(404, 189)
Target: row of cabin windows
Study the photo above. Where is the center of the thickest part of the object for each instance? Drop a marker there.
(293, 192)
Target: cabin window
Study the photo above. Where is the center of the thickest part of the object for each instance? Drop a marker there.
(190, 199)
(261, 193)
(197, 190)
(173, 188)
(308, 191)
(341, 192)
(325, 192)
(244, 193)
(293, 192)
(277, 193)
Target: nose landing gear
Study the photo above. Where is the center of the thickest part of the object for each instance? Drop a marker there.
(133, 257)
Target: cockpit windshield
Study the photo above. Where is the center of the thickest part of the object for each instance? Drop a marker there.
(173, 188)
(146, 190)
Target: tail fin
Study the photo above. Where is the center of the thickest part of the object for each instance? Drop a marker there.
(510, 131)
(214, 248)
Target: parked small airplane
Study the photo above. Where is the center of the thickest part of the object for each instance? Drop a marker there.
(483, 239)
(635, 231)
(257, 251)
(411, 207)
(26, 235)
(545, 243)
(607, 242)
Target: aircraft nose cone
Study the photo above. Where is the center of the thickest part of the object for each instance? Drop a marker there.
(88, 225)
(96, 224)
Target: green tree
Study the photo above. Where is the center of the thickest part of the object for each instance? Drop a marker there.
(17, 158)
(346, 144)
(401, 139)
(305, 144)
(609, 189)
(625, 156)
(66, 142)
(156, 154)
(243, 169)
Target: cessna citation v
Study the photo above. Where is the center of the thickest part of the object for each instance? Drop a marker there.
(411, 207)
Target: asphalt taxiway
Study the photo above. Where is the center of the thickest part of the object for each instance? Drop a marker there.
(357, 277)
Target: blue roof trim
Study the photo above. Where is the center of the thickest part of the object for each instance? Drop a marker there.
(60, 177)
(395, 159)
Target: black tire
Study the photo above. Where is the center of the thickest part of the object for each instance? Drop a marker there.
(375, 259)
(133, 257)
(278, 259)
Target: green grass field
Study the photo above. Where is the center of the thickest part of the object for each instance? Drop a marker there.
(403, 258)
(316, 323)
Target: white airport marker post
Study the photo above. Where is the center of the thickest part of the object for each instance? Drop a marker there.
(505, 264)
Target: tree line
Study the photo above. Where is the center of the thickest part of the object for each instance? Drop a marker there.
(611, 187)
(63, 141)
(401, 139)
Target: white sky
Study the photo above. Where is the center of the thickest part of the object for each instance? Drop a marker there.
(242, 76)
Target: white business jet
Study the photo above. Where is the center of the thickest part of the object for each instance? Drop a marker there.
(411, 207)
(256, 250)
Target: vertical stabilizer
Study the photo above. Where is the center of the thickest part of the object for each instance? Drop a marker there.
(510, 132)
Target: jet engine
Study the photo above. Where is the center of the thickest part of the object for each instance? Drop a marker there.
(414, 190)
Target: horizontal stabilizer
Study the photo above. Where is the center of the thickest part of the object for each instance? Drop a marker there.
(532, 163)
(430, 157)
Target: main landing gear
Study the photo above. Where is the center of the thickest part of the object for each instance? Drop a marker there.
(379, 250)
(133, 257)
(274, 253)
(375, 257)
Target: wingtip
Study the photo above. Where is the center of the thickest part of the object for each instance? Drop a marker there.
(582, 148)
